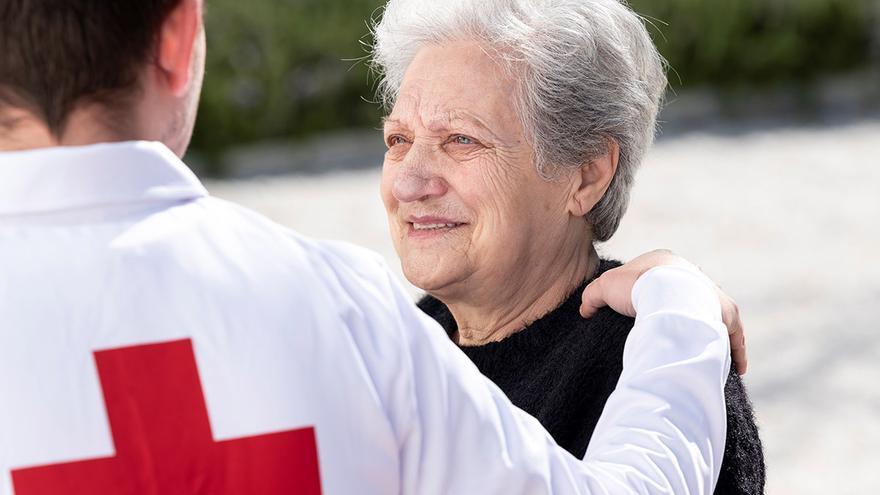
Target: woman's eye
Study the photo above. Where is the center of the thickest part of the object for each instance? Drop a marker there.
(395, 140)
(462, 140)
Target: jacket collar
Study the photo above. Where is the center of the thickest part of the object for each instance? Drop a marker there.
(67, 178)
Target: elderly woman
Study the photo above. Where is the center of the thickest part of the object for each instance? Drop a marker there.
(516, 130)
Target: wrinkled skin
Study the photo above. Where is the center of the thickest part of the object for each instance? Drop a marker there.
(457, 154)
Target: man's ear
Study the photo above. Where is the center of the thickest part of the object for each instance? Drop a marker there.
(592, 180)
(176, 48)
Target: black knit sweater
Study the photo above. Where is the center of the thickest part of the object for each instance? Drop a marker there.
(562, 368)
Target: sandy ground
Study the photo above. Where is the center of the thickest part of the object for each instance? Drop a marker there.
(787, 220)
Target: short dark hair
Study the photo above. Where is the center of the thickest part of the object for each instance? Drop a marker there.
(55, 54)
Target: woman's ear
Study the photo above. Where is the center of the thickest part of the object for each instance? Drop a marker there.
(592, 180)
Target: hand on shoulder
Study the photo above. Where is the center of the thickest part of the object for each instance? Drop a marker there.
(614, 289)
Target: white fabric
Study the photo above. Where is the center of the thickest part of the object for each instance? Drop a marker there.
(116, 245)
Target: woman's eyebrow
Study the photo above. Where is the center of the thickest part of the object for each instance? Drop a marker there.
(444, 122)
(386, 121)
(468, 118)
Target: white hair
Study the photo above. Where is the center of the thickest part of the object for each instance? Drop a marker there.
(587, 73)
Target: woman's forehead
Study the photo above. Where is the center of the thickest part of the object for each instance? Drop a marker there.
(462, 72)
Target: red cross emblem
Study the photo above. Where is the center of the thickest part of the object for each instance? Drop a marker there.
(164, 443)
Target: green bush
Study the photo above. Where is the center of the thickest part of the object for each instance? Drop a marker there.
(750, 42)
(285, 68)
(277, 69)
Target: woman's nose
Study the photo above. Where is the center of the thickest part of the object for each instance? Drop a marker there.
(416, 185)
(417, 179)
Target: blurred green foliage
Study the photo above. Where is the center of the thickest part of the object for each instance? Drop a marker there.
(287, 68)
(750, 42)
(284, 68)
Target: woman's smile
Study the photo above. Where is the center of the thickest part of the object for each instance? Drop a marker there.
(429, 227)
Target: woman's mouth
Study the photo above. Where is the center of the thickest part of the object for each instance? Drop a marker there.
(433, 226)
(422, 227)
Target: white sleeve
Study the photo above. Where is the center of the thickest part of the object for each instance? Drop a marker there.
(662, 430)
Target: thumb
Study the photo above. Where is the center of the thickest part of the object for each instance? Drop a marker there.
(593, 298)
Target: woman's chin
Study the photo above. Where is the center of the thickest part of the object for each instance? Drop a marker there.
(432, 275)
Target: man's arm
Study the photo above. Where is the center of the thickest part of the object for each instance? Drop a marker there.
(662, 430)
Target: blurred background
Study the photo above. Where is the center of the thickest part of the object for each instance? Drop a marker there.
(766, 174)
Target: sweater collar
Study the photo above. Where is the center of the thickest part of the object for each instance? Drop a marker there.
(67, 178)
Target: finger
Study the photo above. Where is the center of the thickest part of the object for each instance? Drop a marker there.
(737, 343)
(730, 315)
(740, 359)
(593, 298)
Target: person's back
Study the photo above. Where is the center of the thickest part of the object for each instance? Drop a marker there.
(201, 319)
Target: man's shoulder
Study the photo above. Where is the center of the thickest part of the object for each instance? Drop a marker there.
(220, 241)
(252, 229)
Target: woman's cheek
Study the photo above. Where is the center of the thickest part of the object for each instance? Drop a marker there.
(501, 191)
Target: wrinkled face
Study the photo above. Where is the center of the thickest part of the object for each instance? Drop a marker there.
(466, 205)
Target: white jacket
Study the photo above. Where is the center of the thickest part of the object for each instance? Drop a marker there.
(155, 340)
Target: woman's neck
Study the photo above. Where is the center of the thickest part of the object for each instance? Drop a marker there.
(515, 306)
